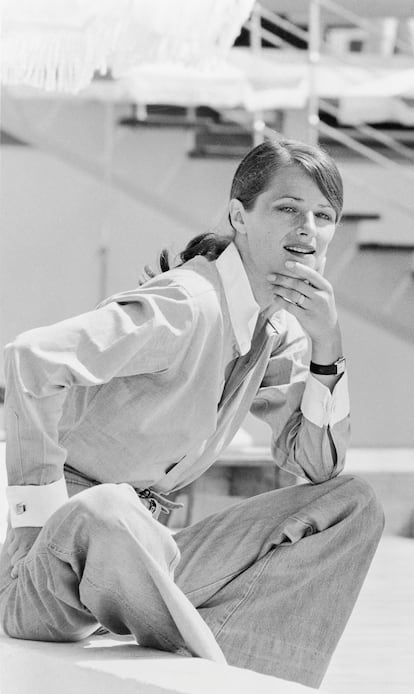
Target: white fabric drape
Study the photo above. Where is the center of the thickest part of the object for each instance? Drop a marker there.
(60, 44)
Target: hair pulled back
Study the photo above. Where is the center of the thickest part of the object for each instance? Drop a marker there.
(254, 176)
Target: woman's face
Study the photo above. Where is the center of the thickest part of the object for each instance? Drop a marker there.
(292, 220)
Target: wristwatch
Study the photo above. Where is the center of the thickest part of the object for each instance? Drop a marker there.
(338, 367)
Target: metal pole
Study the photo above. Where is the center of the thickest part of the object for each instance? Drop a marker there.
(313, 60)
(255, 29)
(256, 46)
(105, 232)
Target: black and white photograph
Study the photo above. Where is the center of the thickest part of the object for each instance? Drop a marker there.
(206, 346)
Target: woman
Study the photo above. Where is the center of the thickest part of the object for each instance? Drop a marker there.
(139, 397)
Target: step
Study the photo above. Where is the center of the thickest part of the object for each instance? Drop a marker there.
(108, 664)
(373, 282)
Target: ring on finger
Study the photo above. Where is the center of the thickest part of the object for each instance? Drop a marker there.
(301, 300)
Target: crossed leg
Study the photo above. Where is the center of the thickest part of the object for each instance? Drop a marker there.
(276, 576)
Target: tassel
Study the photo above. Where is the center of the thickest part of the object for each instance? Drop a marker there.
(61, 47)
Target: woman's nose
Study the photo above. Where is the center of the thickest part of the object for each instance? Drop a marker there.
(307, 223)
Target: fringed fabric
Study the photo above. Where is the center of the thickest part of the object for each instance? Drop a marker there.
(59, 45)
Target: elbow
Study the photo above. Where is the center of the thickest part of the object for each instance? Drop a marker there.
(330, 467)
(13, 351)
(321, 478)
(20, 364)
(21, 346)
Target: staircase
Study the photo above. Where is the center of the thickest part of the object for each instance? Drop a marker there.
(373, 278)
(373, 281)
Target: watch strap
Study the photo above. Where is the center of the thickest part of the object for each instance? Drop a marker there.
(338, 367)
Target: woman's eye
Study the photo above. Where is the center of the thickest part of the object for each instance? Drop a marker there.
(324, 216)
(288, 208)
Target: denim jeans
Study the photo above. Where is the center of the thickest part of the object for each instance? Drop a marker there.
(273, 578)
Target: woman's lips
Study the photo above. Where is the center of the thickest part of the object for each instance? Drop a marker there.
(303, 254)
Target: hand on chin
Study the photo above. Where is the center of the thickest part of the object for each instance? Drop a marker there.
(275, 306)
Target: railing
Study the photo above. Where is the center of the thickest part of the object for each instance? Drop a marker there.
(355, 19)
(315, 43)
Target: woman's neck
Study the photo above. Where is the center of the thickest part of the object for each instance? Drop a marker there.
(260, 286)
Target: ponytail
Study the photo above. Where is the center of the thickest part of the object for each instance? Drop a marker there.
(210, 245)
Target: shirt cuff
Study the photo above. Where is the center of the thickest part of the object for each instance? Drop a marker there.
(32, 505)
(323, 408)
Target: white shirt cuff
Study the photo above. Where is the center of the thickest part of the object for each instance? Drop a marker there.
(323, 408)
(32, 505)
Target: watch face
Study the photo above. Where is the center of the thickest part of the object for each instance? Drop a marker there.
(340, 365)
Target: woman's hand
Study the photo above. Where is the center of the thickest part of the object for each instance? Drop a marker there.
(306, 294)
(309, 297)
(146, 274)
(21, 543)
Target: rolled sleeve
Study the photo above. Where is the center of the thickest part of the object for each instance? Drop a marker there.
(310, 425)
(323, 408)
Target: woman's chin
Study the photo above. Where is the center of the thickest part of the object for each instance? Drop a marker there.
(308, 260)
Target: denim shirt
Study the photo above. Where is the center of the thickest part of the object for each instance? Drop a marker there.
(151, 386)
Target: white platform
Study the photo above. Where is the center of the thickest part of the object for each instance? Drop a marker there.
(105, 665)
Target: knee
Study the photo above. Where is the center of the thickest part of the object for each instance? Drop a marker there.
(98, 512)
(104, 503)
(365, 503)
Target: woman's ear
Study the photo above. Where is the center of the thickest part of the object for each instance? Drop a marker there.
(237, 216)
(223, 226)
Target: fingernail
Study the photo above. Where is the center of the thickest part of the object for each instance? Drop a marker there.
(290, 263)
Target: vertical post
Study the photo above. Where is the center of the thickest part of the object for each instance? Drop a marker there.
(103, 249)
(140, 111)
(255, 29)
(314, 44)
(191, 114)
(256, 46)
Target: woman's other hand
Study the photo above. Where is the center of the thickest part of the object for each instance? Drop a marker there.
(146, 274)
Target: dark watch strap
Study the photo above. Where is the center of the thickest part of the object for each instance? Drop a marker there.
(338, 367)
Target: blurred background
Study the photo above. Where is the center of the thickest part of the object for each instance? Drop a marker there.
(105, 160)
(94, 183)
(122, 123)
(115, 145)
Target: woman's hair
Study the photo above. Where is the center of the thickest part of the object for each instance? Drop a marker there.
(254, 176)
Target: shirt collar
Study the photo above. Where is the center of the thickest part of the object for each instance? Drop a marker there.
(242, 305)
